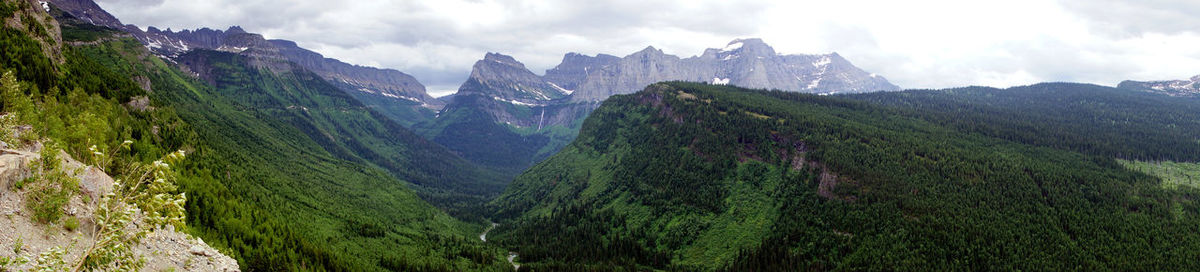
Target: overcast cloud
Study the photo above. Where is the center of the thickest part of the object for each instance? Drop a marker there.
(915, 44)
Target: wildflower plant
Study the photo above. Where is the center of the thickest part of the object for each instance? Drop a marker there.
(8, 125)
(149, 190)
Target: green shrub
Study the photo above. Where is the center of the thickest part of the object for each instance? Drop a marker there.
(50, 188)
(71, 224)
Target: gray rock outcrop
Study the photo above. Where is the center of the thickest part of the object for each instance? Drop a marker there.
(1178, 88)
(163, 249)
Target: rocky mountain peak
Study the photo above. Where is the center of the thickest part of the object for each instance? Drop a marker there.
(649, 51)
(577, 58)
(503, 77)
(575, 67)
(502, 59)
(235, 30)
(87, 10)
(752, 47)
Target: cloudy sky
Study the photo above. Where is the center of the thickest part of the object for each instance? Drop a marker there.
(915, 44)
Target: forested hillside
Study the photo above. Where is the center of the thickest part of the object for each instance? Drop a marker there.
(277, 188)
(466, 126)
(1086, 118)
(296, 190)
(344, 127)
(699, 177)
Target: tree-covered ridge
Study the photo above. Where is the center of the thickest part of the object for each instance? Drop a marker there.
(698, 177)
(1085, 118)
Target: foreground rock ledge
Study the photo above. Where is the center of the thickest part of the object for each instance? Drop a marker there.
(164, 249)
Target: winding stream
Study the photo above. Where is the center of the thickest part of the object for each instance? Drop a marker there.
(483, 236)
(511, 255)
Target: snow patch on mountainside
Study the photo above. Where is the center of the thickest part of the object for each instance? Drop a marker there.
(561, 89)
(515, 102)
(822, 62)
(732, 46)
(814, 83)
(1181, 88)
(232, 49)
(720, 81)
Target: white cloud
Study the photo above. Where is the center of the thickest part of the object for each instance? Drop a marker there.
(915, 44)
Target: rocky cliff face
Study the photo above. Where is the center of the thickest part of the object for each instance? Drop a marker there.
(384, 82)
(87, 10)
(1179, 88)
(384, 85)
(745, 62)
(504, 78)
(575, 67)
(32, 16)
(509, 93)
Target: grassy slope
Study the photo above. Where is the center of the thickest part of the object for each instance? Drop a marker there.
(668, 181)
(1173, 174)
(262, 185)
(403, 111)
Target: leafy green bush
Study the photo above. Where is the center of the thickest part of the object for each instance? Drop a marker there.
(149, 189)
(50, 188)
(71, 223)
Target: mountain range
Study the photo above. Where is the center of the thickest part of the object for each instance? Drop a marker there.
(749, 63)
(744, 62)
(503, 103)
